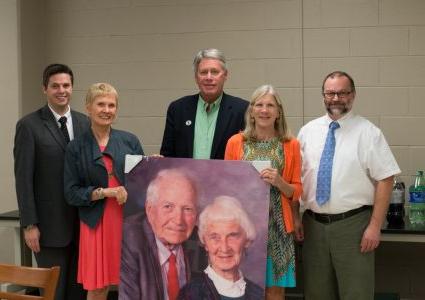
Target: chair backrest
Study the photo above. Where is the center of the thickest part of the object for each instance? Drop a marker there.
(45, 278)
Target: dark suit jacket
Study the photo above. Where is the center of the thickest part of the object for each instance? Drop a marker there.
(85, 170)
(179, 133)
(39, 154)
(202, 287)
(141, 276)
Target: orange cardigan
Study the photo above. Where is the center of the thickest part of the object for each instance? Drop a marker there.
(291, 171)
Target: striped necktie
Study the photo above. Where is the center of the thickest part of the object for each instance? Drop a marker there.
(64, 129)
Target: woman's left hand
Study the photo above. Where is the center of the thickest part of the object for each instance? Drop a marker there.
(119, 192)
(121, 195)
(271, 176)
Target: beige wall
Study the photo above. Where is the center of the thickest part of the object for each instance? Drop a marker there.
(33, 49)
(145, 49)
(10, 93)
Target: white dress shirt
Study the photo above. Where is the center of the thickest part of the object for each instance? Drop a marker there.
(362, 157)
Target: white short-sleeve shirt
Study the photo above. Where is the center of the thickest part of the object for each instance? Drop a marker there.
(362, 157)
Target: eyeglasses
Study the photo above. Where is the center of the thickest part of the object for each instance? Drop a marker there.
(331, 95)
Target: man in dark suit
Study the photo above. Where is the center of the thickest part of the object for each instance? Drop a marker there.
(198, 126)
(153, 238)
(50, 224)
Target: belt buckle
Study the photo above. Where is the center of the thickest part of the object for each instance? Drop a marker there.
(327, 218)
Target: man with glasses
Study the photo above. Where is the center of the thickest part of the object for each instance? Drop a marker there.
(347, 175)
(198, 126)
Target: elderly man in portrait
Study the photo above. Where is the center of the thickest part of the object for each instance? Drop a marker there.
(198, 126)
(154, 264)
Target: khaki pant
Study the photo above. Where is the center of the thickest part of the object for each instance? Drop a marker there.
(334, 268)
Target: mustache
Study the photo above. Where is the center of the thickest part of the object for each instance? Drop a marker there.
(336, 103)
(342, 110)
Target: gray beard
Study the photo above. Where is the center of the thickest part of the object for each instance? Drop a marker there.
(337, 112)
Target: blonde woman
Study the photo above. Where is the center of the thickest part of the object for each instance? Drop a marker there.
(267, 137)
(94, 182)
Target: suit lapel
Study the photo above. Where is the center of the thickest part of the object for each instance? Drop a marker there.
(53, 128)
(223, 119)
(189, 117)
(153, 256)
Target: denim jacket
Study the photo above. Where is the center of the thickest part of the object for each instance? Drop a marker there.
(85, 170)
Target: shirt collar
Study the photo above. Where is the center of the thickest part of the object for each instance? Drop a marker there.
(58, 116)
(341, 121)
(164, 253)
(215, 104)
(226, 287)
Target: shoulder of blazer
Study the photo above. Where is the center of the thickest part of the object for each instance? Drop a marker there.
(79, 115)
(46, 113)
(232, 101)
(190, 100)
(117, 133)
(35, 116)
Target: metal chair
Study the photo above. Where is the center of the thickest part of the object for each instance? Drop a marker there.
(45, 278)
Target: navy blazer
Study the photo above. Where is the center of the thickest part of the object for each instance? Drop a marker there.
(85, 170)
(179, 129)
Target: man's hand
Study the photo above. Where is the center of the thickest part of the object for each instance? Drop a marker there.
(372, 234)
(32, 238)
(298, 229)
(371, 238)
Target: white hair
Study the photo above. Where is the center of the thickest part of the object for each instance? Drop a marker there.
(210, 53)
(225, 208)
(152, 192)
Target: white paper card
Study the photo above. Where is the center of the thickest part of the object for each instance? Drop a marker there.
(261, 164)
(131, 161)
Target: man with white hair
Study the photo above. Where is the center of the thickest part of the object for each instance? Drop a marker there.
(198, 126)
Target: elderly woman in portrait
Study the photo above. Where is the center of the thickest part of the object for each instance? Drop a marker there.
(267, 137)
(226, 232)
(94, 181)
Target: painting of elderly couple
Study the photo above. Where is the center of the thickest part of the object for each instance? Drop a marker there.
(194, 229)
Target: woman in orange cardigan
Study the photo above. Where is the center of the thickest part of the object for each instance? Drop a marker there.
(267, 137)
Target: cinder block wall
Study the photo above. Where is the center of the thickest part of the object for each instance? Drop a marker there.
(145, 49)
(9, 112)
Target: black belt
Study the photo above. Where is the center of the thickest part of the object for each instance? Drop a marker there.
(330, 218)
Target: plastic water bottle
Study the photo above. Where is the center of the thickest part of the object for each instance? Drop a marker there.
(417, 200)
(395, 215)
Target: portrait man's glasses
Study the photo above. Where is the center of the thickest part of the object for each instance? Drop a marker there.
(331, 95)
